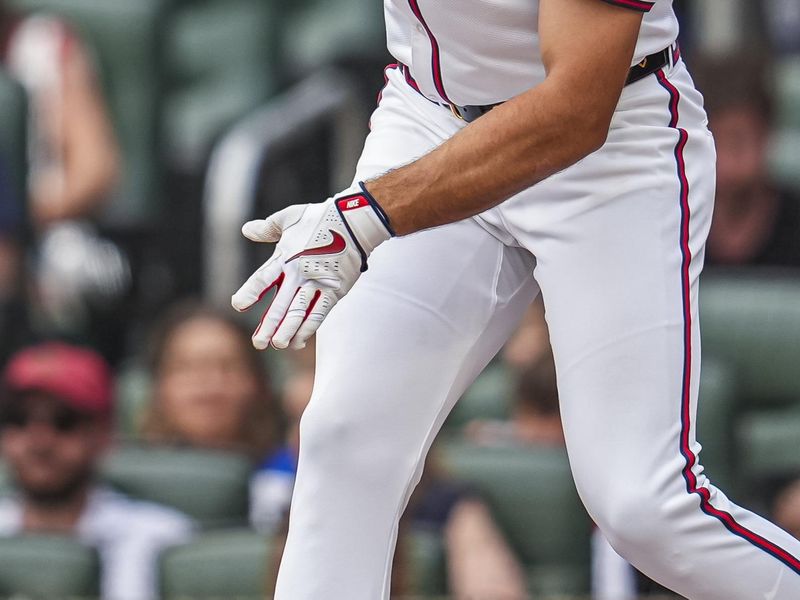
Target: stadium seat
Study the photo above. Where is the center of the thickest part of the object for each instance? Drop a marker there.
(125, 36)
(426, 559)
(752, 322)
(786, 141)
(45, 566)
(716, 414)
(13, 140)
(534, 499)
(323, 32)
(6, 485)
(222, 564)
(770, 444)
(210, 486)
(490, 397)
(220, 62)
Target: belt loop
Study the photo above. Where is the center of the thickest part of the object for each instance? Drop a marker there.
(456, 113)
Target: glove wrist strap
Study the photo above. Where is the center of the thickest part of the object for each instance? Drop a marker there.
(365, 220)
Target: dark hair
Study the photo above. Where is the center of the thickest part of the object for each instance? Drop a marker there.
(260, 434)
(536, 389)
(734, 81)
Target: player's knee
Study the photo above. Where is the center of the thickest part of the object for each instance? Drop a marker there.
(346, 445)
(633, 519)
(324, 434)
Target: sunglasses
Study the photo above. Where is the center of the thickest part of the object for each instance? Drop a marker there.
(62, 420)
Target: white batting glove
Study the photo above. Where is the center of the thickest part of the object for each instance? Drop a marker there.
(322, 250)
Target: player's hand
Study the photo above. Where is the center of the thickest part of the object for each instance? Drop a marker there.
(322, 250)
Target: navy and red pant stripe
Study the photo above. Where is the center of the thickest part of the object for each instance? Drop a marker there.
(689, 476)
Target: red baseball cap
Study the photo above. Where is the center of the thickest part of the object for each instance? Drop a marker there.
(77, 376)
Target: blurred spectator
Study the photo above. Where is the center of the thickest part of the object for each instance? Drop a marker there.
(480, 563)
(73, 167)
(530, 341)
(755, 221)
(786, 508)
(74, 155)
(211, 389)
(56, 425)
(535, 418)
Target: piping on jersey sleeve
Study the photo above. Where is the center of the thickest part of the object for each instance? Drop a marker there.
(640, 5)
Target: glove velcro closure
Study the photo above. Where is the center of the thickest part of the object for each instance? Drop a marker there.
(365, 222)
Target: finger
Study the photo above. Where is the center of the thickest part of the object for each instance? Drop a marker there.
(274, 315)
(316, 313)
(271, 228)
(259, 283)
(303, 302)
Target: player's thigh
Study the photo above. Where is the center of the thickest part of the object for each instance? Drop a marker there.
(419, 325)
(619, 279)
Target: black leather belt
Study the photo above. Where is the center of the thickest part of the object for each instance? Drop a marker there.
(648, 66)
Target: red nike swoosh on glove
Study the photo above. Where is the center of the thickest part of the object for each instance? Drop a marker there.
(337, 245)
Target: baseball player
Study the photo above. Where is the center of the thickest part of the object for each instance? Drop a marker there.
(519, 147)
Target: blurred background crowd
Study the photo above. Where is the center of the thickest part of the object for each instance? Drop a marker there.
(148, 451)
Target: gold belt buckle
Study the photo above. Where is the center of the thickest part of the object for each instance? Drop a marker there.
(456, 114)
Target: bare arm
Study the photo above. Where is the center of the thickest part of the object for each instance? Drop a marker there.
(587, 47)
(85, 139)
(480, 564)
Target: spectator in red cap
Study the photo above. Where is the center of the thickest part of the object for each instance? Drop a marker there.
(55, 413)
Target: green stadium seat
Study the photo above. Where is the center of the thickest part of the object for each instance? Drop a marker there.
(220, 61)
(45, 566)
(490, 397)
(770, 443)
(787, 91)
(210, 486)
(427, 563)
(126, 38)
(222, 564)
(752, 322)
(533, 497)
(13, 139)
(323, 32)
(716, 415)
(6, 484)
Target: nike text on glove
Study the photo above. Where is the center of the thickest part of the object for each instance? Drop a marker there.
(322, 249)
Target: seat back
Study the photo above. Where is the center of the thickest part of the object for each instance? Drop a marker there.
(212, 487)
(427, 569)
(752, 322)
(47, 566)
(490, 397)
(13, 141)
(220, 64)
(223, 564)
(533, 497)
(324, 32)
(717, 410)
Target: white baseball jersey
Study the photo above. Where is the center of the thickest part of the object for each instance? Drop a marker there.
(477, 52)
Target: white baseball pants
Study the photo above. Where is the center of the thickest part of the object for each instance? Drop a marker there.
(615, 243)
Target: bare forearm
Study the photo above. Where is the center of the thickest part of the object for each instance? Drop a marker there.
(516, 145)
